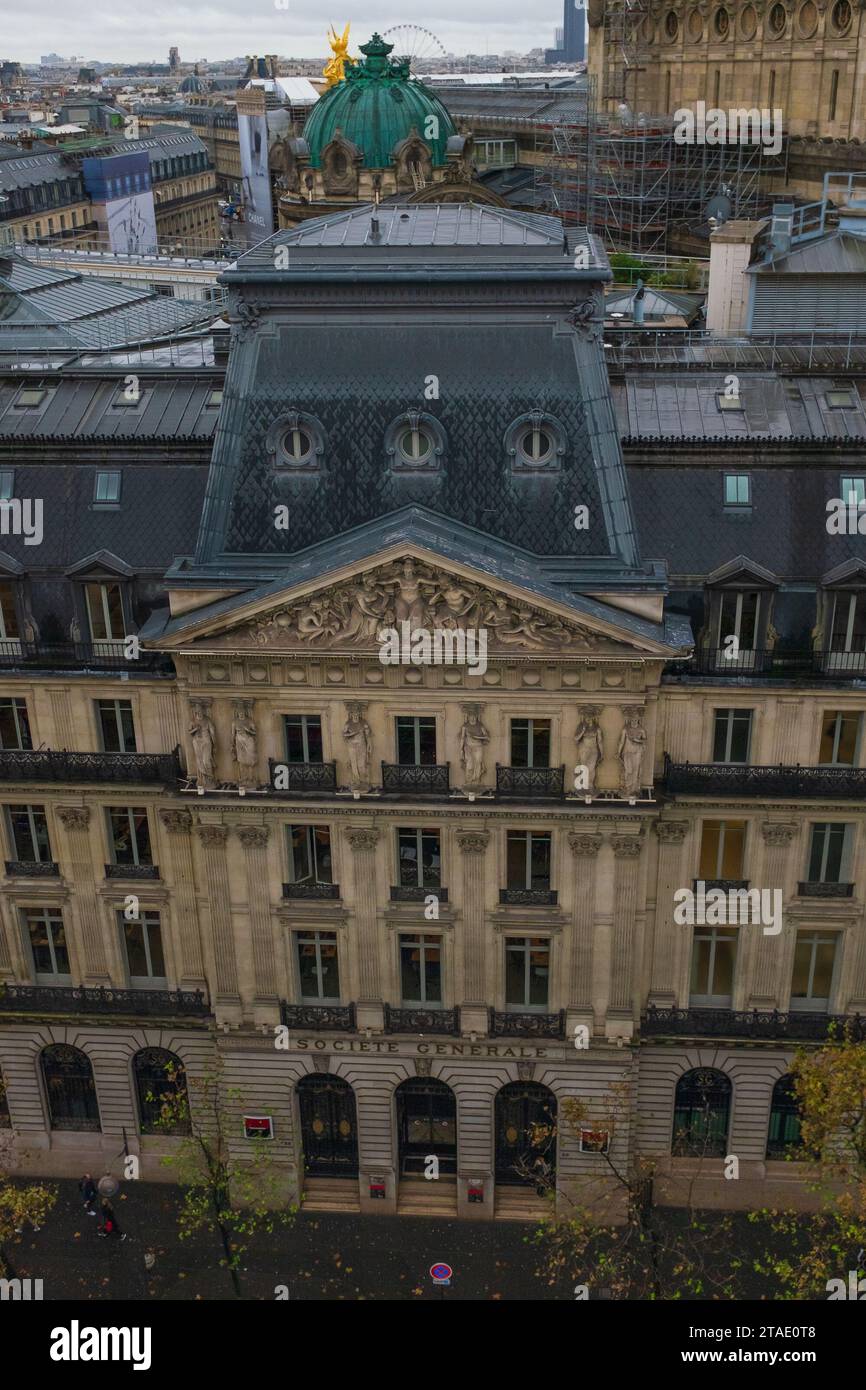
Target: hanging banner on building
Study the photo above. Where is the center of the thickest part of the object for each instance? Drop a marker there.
(122, 200)
(258, 212)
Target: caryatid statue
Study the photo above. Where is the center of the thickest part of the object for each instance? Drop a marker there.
(245, 749)
(203, 735)
(589, 749)
(632, 742)
(473, 738)
(359, 745)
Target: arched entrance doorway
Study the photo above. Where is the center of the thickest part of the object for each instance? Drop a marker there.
(525, 1135)
(329, 1126)
(426, 1126)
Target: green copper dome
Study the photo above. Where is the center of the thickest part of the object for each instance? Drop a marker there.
(375, 107)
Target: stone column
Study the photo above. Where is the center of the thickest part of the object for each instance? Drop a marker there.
(178, 827)
(473, 1010)
(227, 1002)
(254, 839)
(76, 822)
(585, 850)
(626, 849)
(766, 953)
(363, 840)
(668, 938)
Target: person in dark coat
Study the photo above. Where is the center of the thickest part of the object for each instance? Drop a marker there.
(88, 1190)
(108, 1225)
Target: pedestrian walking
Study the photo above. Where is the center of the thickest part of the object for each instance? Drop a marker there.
(87, 1188)
(108, 1226)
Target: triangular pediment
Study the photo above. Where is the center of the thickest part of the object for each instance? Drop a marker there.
(345, 611)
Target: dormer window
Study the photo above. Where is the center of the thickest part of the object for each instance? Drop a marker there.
(415, 442)
(841, 398)
(740, 606)
(106, 488)
(414, 447)
(296, 440)
(535, 443)
(297, 445)
(30, 398)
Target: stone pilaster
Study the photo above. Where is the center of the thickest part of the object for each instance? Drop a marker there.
(212, 838)
(766, 954)
(626, 849)
(668, 939)
(584, 848)
(473, 1010)
(61, 716)
(370, 1012)
(786, 725)
(254, 839)
(93, 961)
(178, 830)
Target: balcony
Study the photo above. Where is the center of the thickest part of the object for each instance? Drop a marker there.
(400, 894)
(77, 999)
(825, 890)
(528, 897)
(302, 777)
(727, 885)
(308, 889)
(41, 765)
(444, 1022)
(337, 1018)
(518, 1025)
(736, 779)
(150, 871)
(26, 868)
(797, 664)
(530, 781)
(416, 779)
(725, 1023)
(80, 656)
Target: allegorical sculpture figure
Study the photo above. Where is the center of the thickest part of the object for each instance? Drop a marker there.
(359, 746)
(473, 738)
(245, 744)
(203, 735)
(632, 742)
(589, 748)
(335, 68)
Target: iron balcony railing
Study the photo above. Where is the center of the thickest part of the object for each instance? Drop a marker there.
(31, 868)
(48, 765)
(80, 656)
(309, 889)
(336, 1018)
(77, 999)
(441, 1021)
(756, 1023)
(743, 779)
(726, 884)
(825, 890)
(132, 871)
(421, 779)
(302, 777)
(402, 894)
(530, 781)
(528, 1025)
(528, 897)
(775, 664)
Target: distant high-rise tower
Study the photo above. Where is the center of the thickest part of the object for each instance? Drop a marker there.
(571, 38)
(173, 59)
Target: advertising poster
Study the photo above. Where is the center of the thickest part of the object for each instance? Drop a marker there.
(255, 175)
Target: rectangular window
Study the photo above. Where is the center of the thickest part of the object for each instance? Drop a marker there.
(852, 490)
(106, 487)
(527, 972)
(420, 858)
(840, 400)
(416, 740)
(129, 835)
(142, 941)
(48, 947)
(31, 396)
(723, 844)
(738, 490)
(318, 967)
(303, 738)
(829, 852)
(8, 613)
(834, 95)
(7, 484)
(732, 733)
(840, 739)
(421, 970)
(725, 402)
(116, 726)
(105, 612)
(530, 743)
(28, 834)
(812, 980)
(528, 860)
(309, 854)
(714, 953)
(739, 616)
(215, 398)
(848, 633)
(14, 725)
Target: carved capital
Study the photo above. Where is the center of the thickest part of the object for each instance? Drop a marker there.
(362, 838)
(254, 836)
(585, 846)
(176, 822)
(473, 841)
(74, 817)
(626, 846)
(212, 836)
(672, 832)
(778, 834)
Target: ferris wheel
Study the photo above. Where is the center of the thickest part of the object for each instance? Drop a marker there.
(414, 44)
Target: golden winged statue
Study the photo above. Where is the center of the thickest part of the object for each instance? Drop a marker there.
(335, 68)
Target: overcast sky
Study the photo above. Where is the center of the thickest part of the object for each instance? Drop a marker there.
(140, 30)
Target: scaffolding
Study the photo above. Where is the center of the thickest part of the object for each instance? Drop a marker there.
(623, 56)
